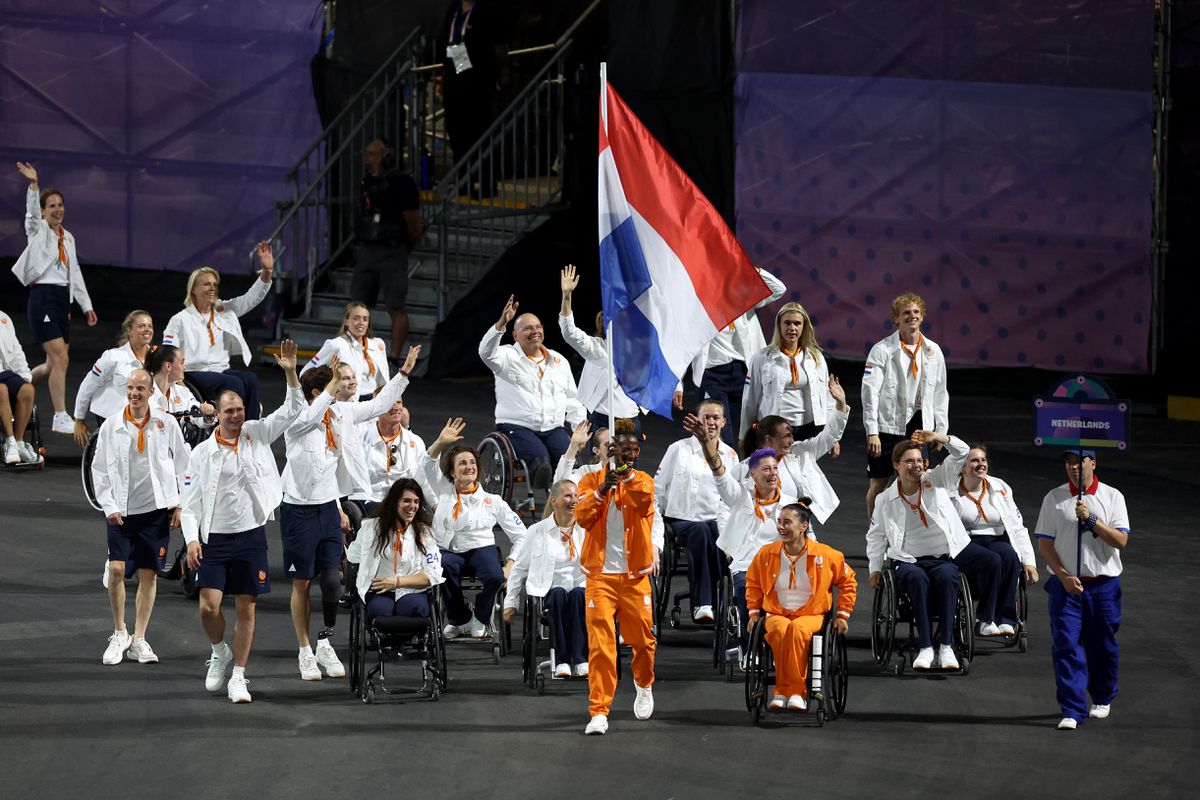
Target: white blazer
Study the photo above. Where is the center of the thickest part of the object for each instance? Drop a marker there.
(593, 381)
(264, 488)
(747, 331)
(407, 452)
(885, 537)
(1010, 517)
(887, 407)
(411, 561)
(481, 513)
(537, 397)
(533, 566)
(185, 329)
(12, 355)
(349, 351)
(102, 390)
(683, 474)
(42, 251)
(766, 378)
(168, 457)
(799, 474)
(742, 534)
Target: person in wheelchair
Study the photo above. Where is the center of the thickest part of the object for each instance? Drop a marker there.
(169, 393)
(392, 451)
(686, 490)
(353, 346)
(789, 590)
(916, 526)
(799, 474)
(464, 528)
(535, 392)
(16, 395)
(548, 566)
(396, 554)
(102, 390)
(989, 512)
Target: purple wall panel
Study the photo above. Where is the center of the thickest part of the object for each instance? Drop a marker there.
(168, 125)
(1020, 211)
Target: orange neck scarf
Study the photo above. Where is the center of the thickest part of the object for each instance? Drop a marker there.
(541, 362)
(367, 356)
(458, 502)
(792, 566)
(912, 354)
(792, 363)
(759, 502)
(917, 505)
(212, 312)
(568, 541)
(226, 442)
(62, 248)
(983, 490)
(388, 458)
(397, 549)
(140, 426)
(327, 421)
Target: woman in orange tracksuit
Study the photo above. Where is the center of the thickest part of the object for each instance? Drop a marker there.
(616, 510)
(792, 580)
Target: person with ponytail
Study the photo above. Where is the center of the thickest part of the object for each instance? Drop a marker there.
(355, 347)
(103, 389)
(168, 393)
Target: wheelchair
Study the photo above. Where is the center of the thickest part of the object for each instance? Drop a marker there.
(503, 474)
(499, 631)
(396, 638)
(828, 675)
(891, 607)
(537, 645)
(1019, 638)
(727, 633)
(676, 560)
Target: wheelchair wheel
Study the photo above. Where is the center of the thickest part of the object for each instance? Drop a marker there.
(353, 645)
(758, 673)
(354, 510)
(883, 619)
(660, 584)
(85, 469)
(720, 632)
(1022, 613)
(964, 624)
(497, 463)
(837, 674)
(530, 631)
(187, 579)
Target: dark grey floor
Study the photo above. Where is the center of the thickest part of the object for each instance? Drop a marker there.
(70, 727)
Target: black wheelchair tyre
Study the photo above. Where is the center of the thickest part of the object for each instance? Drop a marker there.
(883, 619)
(85, 469)
(496, 465)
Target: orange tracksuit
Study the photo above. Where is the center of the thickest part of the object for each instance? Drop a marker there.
(789, 633)
(626, 597)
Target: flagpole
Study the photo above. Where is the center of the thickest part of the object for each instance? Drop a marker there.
(608, 325)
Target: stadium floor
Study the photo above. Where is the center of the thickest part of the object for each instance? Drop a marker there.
(74, 728)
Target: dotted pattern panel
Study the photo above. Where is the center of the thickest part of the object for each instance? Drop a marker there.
(1021, 214)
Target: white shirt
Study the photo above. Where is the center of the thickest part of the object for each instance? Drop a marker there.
(742, 534)
(233, 512)
(371, 375)
(189, 331)
(923, 540)
(769, 389)
(389, 460)
(176, 399)
(793, 599)
(536, 394)
(684, 486)
(615, 562)
(40, 263)
(12, 355)
(544, 562)
(1001, 509)
(464, 522)
(970, 514)
(889, 399)
(1057, 521)
(141, 482)
(166, 454)
(102, 390)
(593, 381)
(409, 561)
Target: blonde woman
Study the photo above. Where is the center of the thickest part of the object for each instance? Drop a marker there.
(355, 348)
(208, 332)
(789, 377)
(103, 389)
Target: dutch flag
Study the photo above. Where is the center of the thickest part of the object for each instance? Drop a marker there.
(672, 274)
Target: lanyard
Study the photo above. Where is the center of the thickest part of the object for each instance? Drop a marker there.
(466, 21)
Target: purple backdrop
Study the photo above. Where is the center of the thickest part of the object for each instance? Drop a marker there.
(168, 125)
(995, 161)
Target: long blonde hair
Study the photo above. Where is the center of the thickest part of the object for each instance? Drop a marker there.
(195, 276)
(353, 304)
(129, 322)
(808, 337)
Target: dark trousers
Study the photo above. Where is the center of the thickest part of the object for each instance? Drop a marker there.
(1083, 643)
(242, 381)
(567, 625)
(533, 446)
(409, 605)
(725, 383)
(700, 539)
(1010, 568)
(739, 602)
(983, 570)
(930, 579)
(485, 563)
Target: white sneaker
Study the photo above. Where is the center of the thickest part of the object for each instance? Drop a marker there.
(703, 614)
(562, 671)
(946, 658)
(118, 643)
(1067, 724)
(989, 629)
(777, 703)
(328, 660)
(11, 454)
(140, 651)
(924, 659)
(219, 665)
(237, 691)
(797, 703)
(451, 632)
(104, 575)
(476, 629)
(643, 703)
(581, 670)
(63, 423)
(28, 454)
(309, 670)
(1006, 629)
(598, 726)
(1098, 711)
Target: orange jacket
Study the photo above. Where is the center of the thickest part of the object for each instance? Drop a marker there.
(826, 568)
(635, 497)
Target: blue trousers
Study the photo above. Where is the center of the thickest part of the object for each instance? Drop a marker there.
(930, 579)
(1010, 568)
(983, 570)
(726, 383)
(532, 446)
(485, 562)
(1083, 643)
(567, 625)
(700, 539)
(409, 605)
(242, 381)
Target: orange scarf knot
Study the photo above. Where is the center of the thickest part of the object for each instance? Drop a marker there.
(327, 421)
(977, 501)
(912, 354)
(458, 502)
(759, 502)
(917, 505)
(140, 426)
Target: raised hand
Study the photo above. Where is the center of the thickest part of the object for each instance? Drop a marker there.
(287, 355)
(579, 437)
(453, 431)
(569, 279)
(410, 361)
(28, 172)
(335, 380)
(266, 257)
(837, 392)
(510, 311)
(693, 426)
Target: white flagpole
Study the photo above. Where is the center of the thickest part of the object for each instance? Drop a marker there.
(608, 332)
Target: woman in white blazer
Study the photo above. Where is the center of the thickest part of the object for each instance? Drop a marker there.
(989, 513)
(170, 394)
(102, 390)
(396, 554)
(354, 347)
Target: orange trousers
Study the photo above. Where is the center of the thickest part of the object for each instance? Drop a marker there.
(609, 597)
(791, 641)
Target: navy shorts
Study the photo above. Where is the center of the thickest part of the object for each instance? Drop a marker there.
(881, 467)
(235, 563)
(144, 539)
(312, 539)
(13, 381)
(49, 312)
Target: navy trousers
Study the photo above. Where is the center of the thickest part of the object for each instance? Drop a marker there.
(567, 625)
(1010, 568)
(242, 381)
(983, 570)
(532, 446)
(485, 562)
(700, 539)
(930, 580)
(1083, 643)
